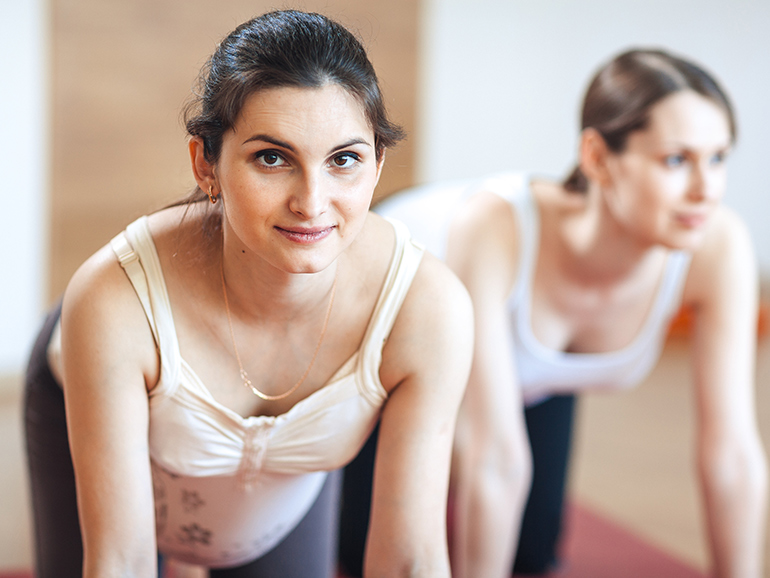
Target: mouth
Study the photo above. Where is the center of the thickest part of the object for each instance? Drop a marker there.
(691, 220)
(305, 235)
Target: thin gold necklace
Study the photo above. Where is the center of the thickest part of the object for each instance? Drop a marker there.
(245, 376)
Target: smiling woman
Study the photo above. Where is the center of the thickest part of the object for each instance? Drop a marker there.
(220, 356)
(311, 150)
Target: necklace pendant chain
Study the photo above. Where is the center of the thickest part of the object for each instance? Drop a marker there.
(245, 376)
(246, 380)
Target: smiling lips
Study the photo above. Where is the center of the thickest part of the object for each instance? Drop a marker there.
(692, 220)
(305, 236)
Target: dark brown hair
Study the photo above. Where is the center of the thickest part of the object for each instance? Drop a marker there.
(287, 48)
(622, 93)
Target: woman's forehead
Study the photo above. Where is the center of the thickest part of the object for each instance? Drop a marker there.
(303, 115)
(687, 118)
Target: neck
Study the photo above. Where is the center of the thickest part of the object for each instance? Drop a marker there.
(596, 248)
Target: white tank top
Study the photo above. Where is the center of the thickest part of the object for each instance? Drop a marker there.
(541, 371)
(229, 488)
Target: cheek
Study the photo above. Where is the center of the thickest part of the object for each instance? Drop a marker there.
(359, 193)
(637, 204)
(355, 208)
(653, 190)
(718, 184)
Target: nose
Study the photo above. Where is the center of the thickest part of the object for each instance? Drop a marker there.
(308, 198)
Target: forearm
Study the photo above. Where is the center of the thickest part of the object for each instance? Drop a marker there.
(416, 562)
(397, 550)
(734, 487)
(110, 552)
(489, 501)
(104, 569)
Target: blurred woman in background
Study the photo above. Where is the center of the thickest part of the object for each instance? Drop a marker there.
(574, 284)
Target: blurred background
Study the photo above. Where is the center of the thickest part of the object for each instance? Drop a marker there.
(91, 138)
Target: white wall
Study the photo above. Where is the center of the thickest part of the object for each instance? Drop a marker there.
(503, 80)
(23, 196)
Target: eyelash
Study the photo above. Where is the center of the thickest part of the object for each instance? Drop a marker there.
(346, 155)
(679, 160)
(260, 156)
(719, 158)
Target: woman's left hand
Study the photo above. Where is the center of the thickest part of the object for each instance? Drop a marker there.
(426, 362)
(722, 287)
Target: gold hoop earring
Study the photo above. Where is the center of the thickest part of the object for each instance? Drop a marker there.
(212, 198)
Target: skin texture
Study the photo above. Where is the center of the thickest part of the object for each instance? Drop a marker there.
(296, 176)
(600, 261)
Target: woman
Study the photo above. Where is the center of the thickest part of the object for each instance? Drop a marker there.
(573, 285)
(220, 356)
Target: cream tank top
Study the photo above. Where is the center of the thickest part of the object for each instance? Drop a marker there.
(542, 372)
(229, 488)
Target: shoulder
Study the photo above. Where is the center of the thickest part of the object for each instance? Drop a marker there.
(433, 332)
(99, 281)
(434, 286)
(724, 265)
(102, 318)
(484, 244)
(437, 292)
(484, 209)
(434, 291)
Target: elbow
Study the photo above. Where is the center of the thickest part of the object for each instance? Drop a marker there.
(511, 467)
(735, 467)
(516, 478)
(500, 468)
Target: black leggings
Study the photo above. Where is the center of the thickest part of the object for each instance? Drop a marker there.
(549, 425)
(309, 551)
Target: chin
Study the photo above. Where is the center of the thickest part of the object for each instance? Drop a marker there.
(306, 268)
(685, 241)
(310, 266)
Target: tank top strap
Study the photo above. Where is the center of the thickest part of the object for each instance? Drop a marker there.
(672, 285)
(129, 260)
(407, 256)
(136, 253)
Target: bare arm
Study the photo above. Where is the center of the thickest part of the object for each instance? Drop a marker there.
(492, 472)
(425, 366)
(731, 461)
(108, 357)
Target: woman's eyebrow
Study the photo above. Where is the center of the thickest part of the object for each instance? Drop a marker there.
(351, 142)
(283, 144)
(269, 139)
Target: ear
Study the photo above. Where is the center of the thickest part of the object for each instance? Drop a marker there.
(594, 155)
(380, 164)
(203, 171)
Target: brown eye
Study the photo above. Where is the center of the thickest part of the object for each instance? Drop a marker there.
(270, 159)
(345, 161)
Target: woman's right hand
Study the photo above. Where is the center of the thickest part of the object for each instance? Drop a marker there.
(492, 469)
(109, 362)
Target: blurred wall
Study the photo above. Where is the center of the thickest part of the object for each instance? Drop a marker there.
(23, 195)
(503, 81)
